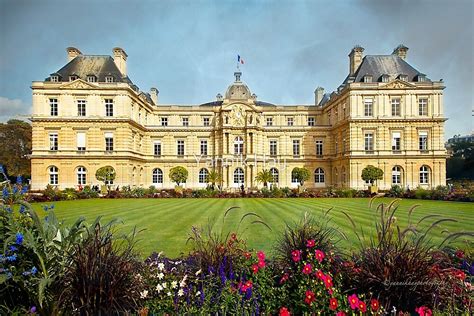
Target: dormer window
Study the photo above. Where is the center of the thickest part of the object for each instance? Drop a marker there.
(385, 78)
(421, 78)
(109, 79)
(91, 78)
(54, 78)
(368, 78)
(72, 77)
(403, 77)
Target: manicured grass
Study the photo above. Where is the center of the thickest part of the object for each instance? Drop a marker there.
(167, 222)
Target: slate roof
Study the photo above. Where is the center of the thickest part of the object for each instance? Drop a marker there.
(378, 65)
(85, 65)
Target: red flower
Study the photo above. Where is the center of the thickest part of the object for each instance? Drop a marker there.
(309, 297)
(423, 311)
(362, 307)
(284, 278)
(233, 236)
(296, 255)
(341, 313)
(261, 255)
(319, 255)
(374, 304)
(310, 243)
(248, 284)
(332, 304)
(261, 263)
(320, 274)
(459, 274)
(460, 254)
(255, 268)
(284, 311)
(307, 269)
(247, 255)
(353, 301)
(328, 281)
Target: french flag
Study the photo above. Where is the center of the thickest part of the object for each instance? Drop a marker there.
(240, 60)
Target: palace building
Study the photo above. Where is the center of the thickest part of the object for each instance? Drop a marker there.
(89, 114)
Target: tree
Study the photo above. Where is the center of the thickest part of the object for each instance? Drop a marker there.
(300, 174)
(461, 164)
(178, 175)
(264, 177)
(15, 147)
(105, 174)
(214, 177)
(371, 174)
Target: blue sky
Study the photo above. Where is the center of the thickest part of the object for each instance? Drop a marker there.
(187, 49)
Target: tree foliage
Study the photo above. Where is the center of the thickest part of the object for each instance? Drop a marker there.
(214, 177)
(178, 174)
(371, 174)
(264, 177)
(461, 164)
(105, 174)
(15, 144)
(300, 174)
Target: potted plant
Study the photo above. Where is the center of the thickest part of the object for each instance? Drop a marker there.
(372, 174)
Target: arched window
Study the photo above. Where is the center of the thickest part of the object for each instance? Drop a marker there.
(274, 172)
(203, 173)
(424, 175)
(293, 176)
(334, 176)
(239, 176)
(53, 175)
(81, 175)
(134, 175)
(397, 175)
(157, 176)
(319, 175)
(238, 145)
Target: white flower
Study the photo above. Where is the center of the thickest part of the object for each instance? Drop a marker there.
(160, 275)
(159, 288)
(183, 281)
(180, 292)
(144, 294)
(169, 293)
(163, 285)
(174, 284)
(161, 266)
(199, 272)
(198, 293)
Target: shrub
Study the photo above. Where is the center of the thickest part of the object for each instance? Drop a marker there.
(52, 193)
(440, 193)
(87, 193)
(395, 191)
(371, 174)
(69, 194)
(422, 194)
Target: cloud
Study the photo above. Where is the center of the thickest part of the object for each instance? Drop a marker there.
(15, 108)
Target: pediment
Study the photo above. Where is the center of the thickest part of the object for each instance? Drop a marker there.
(398, 84)
(245, 106)
(78, 84)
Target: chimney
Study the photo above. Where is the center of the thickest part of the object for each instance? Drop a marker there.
(72, 53)
(318, 95)
(401, 51)
(120, 59)
(355, 59)
(154, 95)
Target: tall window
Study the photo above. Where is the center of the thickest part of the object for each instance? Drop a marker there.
(273, 147)
(238, 146)
(81, 141)
(396, 175)
(239, 176)
(369, 142)
(296, 147)
(396, 141)
(274, 173)
(203, 174)
(180, 147)
(423, 107)
(157, 148)
(81, 107)
(164, 121)
(53, 141)
(206, 121)
(289, 120)
(311, 121)
(269, 121)
(395, 107)
(109, 107)
(109, 141)
(53, 175)
(185, 121)
(368, 107)
(319, 148)
(319, 175)
(423, 140)
(157, 176)
(203, 147)
(424, 175)
(53, 105)
(81, 176)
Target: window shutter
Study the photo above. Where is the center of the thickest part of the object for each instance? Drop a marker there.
(81, 139)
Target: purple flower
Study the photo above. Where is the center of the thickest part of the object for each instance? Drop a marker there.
(34, 270)
(471, 269)
(33, 309)
(13, 248)
(24, 189)
(12, 258)
(19, 180)
(19, 238)
(5, 193)
(15, 189)
(22, 209)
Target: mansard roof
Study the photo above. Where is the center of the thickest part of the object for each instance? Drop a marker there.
(100, 66)
(379, 65)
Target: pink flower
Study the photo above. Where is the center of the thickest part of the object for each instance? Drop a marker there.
(332, 304)
(424, 311)
(284, 278)
(319, 255)
(284, 311)
(296, 255)
(261, 255)
(374, 304)
(362, 307)
(353, 301)
(309, 297)
(255, 268)
(341, 313)
(307, 269)
(328, 281)
(261, 263)
(310, 243)
(320, 274)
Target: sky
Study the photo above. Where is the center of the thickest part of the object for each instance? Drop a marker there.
(188, 49)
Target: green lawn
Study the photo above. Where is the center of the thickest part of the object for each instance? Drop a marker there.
(167, 222)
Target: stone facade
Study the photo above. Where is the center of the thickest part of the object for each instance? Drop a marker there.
(89, 114)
